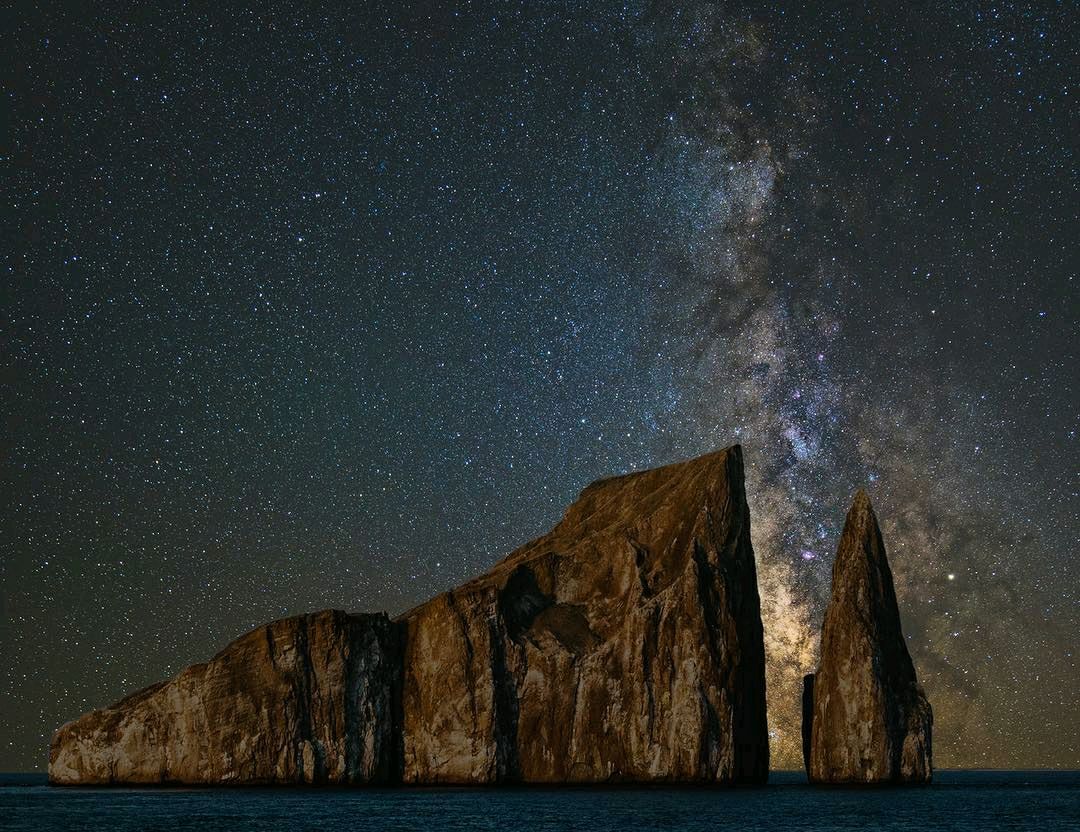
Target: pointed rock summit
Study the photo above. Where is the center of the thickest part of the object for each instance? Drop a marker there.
(870, 721)
(623, 646)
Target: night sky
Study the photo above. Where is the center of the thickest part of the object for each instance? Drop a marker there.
(323, 309)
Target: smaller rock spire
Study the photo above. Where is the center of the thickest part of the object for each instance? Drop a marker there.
(870, 722)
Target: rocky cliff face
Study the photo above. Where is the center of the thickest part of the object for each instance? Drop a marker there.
(625, 645)
(311, 699)
(871, 722)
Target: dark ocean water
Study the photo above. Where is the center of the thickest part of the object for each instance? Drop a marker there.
(959, 800)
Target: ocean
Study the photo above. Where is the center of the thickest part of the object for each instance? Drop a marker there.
(1041, 801)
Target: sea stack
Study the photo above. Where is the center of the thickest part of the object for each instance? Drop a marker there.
(871, 722)
(623, 646)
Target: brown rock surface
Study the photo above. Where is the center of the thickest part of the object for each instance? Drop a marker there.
(309, 699)
(624, 645)
(871, 720)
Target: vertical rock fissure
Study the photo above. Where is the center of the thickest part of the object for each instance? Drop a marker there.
(508, 763)
(354, 651)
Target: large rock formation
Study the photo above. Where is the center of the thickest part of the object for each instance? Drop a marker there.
(310, 699)
(871, 722)
(623, 646)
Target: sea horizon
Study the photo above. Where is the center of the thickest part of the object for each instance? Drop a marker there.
(959, 800)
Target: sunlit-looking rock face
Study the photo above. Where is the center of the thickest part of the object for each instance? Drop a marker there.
(624, 645)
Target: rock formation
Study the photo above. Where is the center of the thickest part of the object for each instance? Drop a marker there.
(623, 646)
(871, 722)
(310, 699)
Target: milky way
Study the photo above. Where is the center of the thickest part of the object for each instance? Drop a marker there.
(322, 310)
(796, 349)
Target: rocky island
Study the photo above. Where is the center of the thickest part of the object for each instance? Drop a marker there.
(865, 718)
(623, 646)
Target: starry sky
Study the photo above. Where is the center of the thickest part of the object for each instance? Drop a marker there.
(315, 308)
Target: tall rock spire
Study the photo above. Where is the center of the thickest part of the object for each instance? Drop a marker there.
(871, 721)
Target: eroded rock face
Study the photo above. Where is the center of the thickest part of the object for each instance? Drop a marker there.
(310, 699)
(871, 722)
(624, 645)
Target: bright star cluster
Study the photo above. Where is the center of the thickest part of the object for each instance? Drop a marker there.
(335, 308)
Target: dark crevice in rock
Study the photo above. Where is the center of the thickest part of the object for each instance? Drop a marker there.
(807, 717)
(508, 765)
(520, 601)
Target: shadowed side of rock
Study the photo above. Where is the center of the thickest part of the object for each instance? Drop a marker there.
(807, 717)
(623, 646)
(310, 699)
(871, 722)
